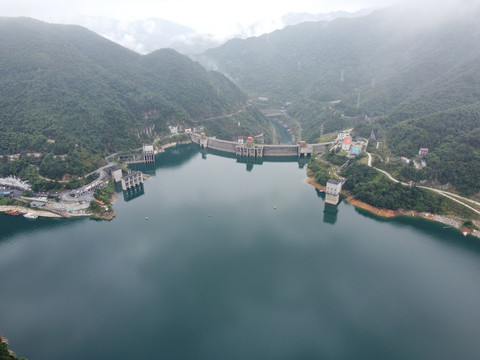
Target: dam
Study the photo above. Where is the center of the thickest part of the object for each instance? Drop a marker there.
(258, 150)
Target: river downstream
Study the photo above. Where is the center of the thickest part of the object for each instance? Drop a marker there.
(237, 261)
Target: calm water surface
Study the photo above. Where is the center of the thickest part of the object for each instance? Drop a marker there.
(217, 272)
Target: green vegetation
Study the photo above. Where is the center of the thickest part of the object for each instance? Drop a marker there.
(335, 157)
(313, 114)
(252, 123)
(5, 201)
(6, 354)
(453, 138)
(69, 92)
(105, 194)
(469, 224)
(374, 188)
(417, 88)
(95, 207)
(25, 167)
(320, 170)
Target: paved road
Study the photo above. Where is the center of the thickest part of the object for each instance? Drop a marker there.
(447, 194)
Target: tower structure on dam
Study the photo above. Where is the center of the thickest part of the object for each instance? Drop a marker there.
(131, 180)
(148, 154)
(249, 149)
(332, 193)
(203, 141)
(305, 149)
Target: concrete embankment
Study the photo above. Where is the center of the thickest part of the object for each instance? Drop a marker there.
(28, 210)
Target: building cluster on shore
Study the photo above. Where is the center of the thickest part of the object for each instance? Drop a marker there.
(345, 142)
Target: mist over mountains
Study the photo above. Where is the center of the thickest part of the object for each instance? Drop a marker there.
(147, 35)
(411, 73)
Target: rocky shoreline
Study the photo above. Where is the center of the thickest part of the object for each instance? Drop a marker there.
(449, 221)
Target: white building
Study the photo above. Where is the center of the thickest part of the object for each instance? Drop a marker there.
(342, 136)
(334, 187)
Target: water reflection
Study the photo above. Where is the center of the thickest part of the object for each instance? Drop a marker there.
(16, 225)
(302, 161)
(250, 162)
(133, 192)
(330, 212)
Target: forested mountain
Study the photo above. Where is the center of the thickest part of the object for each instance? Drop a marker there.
(396, 52)
(68, 84)
(402, 70)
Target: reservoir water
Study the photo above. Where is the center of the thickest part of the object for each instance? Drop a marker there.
(237, 261)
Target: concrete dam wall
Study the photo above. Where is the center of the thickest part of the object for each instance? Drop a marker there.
(268, 150)
(280, 150)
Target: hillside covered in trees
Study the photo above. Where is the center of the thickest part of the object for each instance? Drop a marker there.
(74, 88)
(412, 74)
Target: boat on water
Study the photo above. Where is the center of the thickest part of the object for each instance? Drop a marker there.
(13, 212)
(30, 216)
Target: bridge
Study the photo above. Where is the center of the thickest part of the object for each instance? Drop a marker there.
(254, 150)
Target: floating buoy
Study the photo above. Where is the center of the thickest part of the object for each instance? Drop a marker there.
(274, 208)
(146, 217)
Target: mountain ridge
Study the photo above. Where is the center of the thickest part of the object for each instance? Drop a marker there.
(64, 82)
(372, 72)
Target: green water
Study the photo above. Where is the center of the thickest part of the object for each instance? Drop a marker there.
(237, 261)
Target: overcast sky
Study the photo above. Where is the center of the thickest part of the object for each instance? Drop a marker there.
(218, 17)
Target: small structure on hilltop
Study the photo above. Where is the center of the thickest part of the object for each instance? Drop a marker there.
(332, 193)
(422, 152)
(405, 160)
(342, 136)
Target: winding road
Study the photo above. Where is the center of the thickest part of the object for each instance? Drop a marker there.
(457, 198)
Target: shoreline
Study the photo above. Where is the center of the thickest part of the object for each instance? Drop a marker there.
(162, 148)
(23, 209)
(385, 213)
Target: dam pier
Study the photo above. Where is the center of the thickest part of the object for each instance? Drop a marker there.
(249, 149)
